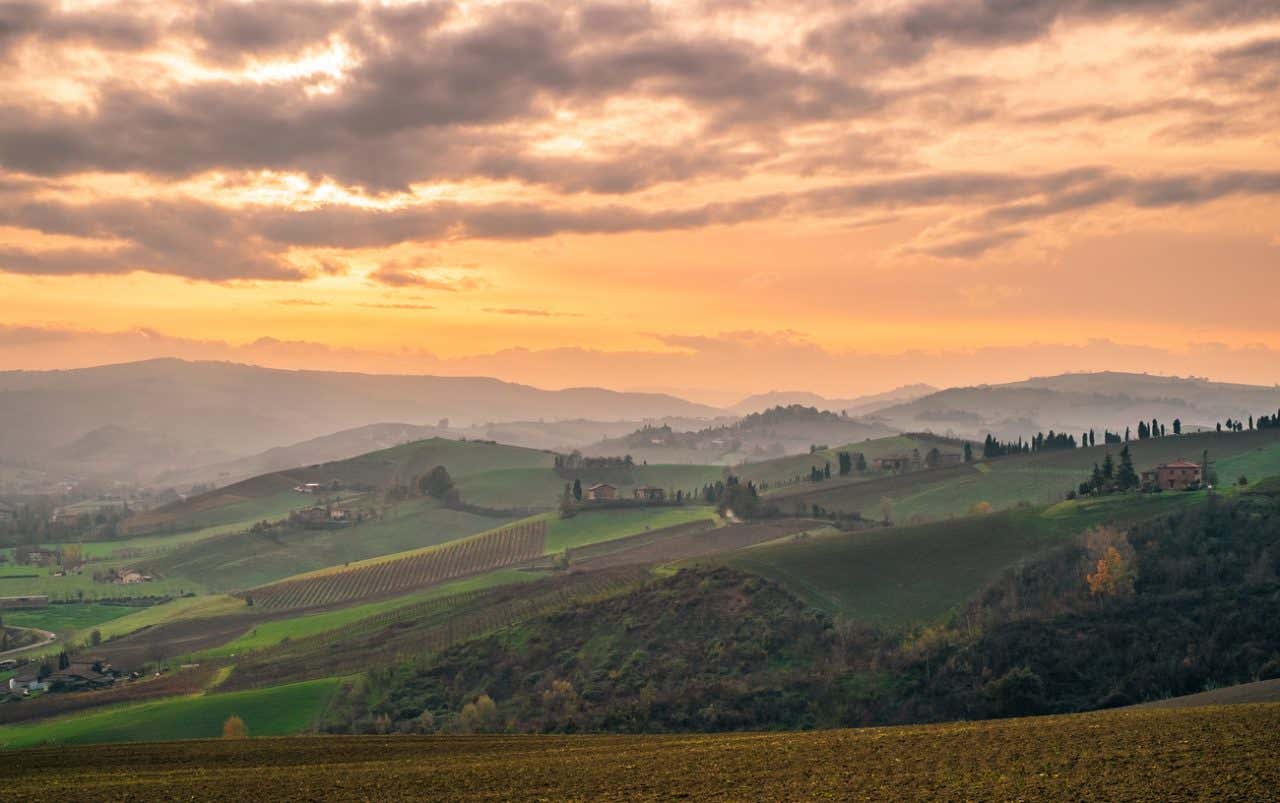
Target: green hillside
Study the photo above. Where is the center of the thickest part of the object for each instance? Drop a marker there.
(267, 712)
(246, 559)
(1040, 478)
(902, 576)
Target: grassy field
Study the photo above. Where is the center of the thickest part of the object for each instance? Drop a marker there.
(269, 634)
(82, 586)
(903, 576)
(783, 470)
(1182, 754)
(267, 712)
(244, 560)
(1039, 478)
(67, 619)
(594, 526)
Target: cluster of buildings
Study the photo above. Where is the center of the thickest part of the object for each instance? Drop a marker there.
(603, 491)
(77, 675)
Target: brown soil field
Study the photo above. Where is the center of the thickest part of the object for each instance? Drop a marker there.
(1191, 754)
(1263, 691)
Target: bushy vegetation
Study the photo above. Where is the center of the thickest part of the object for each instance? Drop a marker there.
(1177, 605)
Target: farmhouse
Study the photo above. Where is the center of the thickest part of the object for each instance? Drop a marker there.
(895, 463)
(650, 493)
(82, 676)
(35, 556)
(1176, 476)
(601, 491)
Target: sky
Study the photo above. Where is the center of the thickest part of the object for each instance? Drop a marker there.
(713, 198)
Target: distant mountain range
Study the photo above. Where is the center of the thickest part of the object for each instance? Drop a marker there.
(139, 420)
(177, 422)
(1073, 403)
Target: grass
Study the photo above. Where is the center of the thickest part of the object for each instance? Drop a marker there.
(1038, 478)
(272, 711)
(82, 586)
(244, 560)
(903, 576)
(271, 633)
(541, 487)
(67, 619)
(591, 527)
(1179, 754)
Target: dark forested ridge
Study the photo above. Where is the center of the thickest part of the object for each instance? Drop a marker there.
(1178, 605)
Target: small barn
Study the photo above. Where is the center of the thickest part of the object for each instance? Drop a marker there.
(602, 491)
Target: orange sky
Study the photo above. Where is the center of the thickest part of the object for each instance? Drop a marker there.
(715, 197)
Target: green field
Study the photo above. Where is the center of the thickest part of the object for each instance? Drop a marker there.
(782, 471)
(904, 576)
(1178, 754)
(594, 526)
(1040, 478)
(246, 559)
(267, 712)
(83, 587)
(269, 634)
(542, 487)
(66, 619)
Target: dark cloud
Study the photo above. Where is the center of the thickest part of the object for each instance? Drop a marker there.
(905, 34)
(229, 30)
(115, 27)
(215, 243)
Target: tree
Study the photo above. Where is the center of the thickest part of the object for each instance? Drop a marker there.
(860, 463)
(846, 463)
(234, 728)
(1126, 477)
(64, 661)
(1111, 577)
(968, 452)
(95, 637)
(1177, 426)
(1108, 467)
(826, 471)
(933, 458)
(577, 489)
(480, 716)
(438, 484)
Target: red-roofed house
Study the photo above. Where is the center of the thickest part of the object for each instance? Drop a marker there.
(1176, 476)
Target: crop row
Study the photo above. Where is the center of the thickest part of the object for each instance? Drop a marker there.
(413, 632)
(512, 545)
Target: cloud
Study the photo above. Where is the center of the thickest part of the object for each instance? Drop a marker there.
(531, 313)
(213, 243)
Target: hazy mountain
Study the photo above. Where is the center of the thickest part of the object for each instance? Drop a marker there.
(855, 406)
(775, 432)
(1076, 402)
(164, 415)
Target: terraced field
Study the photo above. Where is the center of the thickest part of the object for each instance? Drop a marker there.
(408, 633)
(381, 578)
(1185, 754)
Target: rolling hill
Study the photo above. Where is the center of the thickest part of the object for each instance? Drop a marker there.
(1074, 403)
(775, 432)
(91, 420)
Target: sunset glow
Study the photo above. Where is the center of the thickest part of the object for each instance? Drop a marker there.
(718, 197)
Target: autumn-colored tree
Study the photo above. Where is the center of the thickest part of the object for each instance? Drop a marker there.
(1112, 577)
(234, 728)
(480, 716)
(980, 509)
